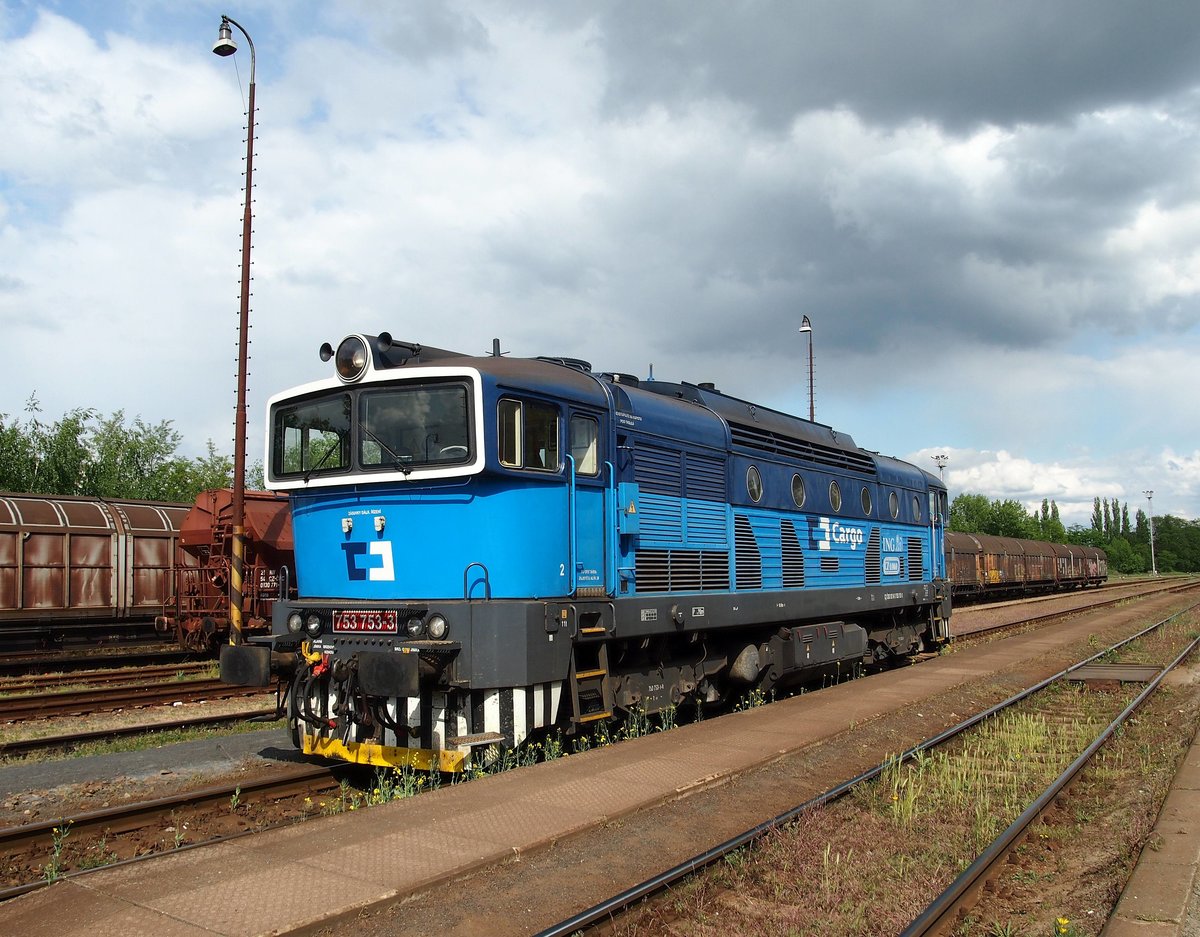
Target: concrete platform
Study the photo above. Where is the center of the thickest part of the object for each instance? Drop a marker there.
(383, 854)
(1162, 897)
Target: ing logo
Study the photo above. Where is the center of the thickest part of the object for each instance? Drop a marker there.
(382, 570)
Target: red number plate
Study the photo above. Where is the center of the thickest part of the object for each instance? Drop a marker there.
(365, 621)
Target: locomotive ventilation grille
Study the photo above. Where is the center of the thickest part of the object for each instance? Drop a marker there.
(873, 577)
(793, 557)
(682, 570)
(676, 474)
(754, 437)
(916, 559)
(747, 558)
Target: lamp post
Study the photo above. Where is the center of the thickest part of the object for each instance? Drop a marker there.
(1149, 493)
(806, 326)
(226, 46)
(941, 459)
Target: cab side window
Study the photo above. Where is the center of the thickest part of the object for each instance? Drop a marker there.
(585, 432)
(528, 435)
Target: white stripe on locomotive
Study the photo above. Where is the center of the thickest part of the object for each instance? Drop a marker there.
(452, 715)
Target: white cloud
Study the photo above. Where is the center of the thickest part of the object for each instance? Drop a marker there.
(1022, 291)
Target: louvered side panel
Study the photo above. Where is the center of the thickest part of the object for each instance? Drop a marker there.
(872, 558)
(714, 570)
(661, 519)
(707, 524)
(653, 570)
(658, 471)
(793, 556)
(685, 570)
(747, 559)
(705, 478)
(916, 559)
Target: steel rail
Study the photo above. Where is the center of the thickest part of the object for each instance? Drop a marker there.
(698, 862)
(71, 739)
(81, 701)
(945, 907)
(1051, 616)
(23, 663)
(305, 778)
(128, 817)
(101, 677)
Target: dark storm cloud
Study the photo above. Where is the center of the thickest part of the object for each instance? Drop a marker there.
(422, 31)
(957, 64)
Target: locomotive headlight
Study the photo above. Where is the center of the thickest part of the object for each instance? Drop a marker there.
(312, 624)
(295, 622)
(438, 627)
(414, 626)
(351, 359)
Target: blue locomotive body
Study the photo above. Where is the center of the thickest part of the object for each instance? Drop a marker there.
(487, 547)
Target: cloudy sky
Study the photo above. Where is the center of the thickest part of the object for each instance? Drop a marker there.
(989, 211)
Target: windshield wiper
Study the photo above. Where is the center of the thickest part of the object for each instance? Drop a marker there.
(398, 461)
(321, 461)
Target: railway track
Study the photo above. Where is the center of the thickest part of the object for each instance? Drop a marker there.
(72, 740)
(709, 808)
(124, 696)
(950, 905)
(52, 681)
(43, 841)
(34, 845)
(19, 664)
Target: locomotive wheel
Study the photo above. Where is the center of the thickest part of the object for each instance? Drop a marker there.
(293, 719)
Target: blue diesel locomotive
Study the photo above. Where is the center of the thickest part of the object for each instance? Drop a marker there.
(488, 546)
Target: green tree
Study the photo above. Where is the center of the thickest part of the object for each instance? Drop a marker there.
(1123, 558)
(18, 458)
(1097, 517)
(136, 461)
(1009, 519)
(107, 457)
(1055, 531)
(212, 470)
(1086, 536)
(970, 514)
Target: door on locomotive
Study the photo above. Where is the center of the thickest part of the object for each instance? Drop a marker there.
(590, 480)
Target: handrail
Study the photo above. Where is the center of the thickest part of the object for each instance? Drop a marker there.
(572, 533)
(610, 528)
(487, 581)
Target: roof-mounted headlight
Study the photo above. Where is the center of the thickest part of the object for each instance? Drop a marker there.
(351, 359)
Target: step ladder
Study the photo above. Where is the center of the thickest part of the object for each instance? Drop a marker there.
(591, 688)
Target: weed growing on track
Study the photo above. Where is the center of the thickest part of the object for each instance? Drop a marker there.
(135, 743)
(867, 864)
(52, 869)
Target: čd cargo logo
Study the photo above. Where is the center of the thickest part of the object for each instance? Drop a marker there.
(370, 561)
(823, 533)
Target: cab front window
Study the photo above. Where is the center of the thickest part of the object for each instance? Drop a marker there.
(312, 437)
(414, 426)
(396, 428)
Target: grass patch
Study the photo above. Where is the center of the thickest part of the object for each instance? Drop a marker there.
(146, 740)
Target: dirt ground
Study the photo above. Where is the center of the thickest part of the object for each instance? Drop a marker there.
(1054, 874)
(1067, 872)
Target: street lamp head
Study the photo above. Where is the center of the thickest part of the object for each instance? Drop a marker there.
(805, 325)
(224, 44)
